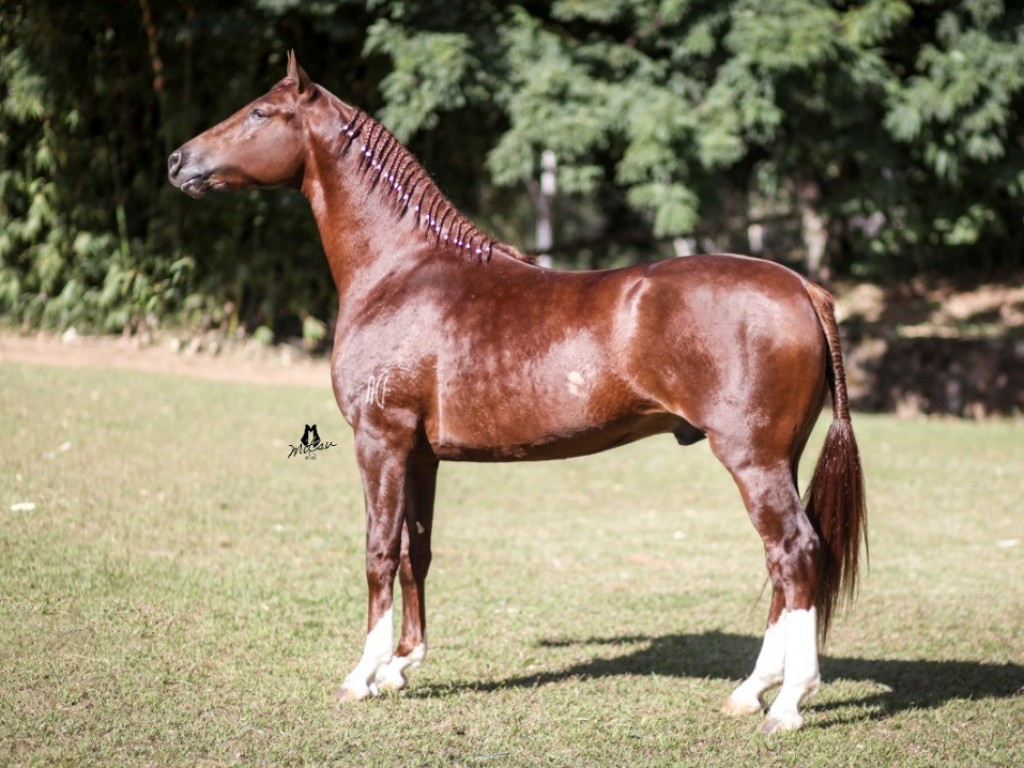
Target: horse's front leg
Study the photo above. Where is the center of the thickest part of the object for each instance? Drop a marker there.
(421, 482)
(384, 463)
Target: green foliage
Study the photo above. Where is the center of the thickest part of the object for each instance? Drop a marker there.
(553, 102)
(895, 124)
(428, 75)
(961, 103)
(66, 263)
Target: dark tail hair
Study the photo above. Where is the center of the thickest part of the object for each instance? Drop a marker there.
(835, 501)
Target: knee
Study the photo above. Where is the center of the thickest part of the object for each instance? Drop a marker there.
(381, 568)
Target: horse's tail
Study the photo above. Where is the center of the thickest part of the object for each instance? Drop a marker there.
(835, 500)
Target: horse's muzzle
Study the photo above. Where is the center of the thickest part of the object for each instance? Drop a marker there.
(185, 175)
(174, 163)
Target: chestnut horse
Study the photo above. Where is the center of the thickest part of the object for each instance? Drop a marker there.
(453, 346)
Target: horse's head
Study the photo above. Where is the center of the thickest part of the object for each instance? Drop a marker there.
(261, 145)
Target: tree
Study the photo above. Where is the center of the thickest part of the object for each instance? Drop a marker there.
(866, 137)
(877, 126)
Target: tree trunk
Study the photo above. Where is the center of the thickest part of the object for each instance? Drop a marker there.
(815, 229)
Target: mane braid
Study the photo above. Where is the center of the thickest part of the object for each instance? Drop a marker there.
(408, 188)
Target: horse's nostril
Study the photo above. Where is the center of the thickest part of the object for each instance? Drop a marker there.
(174, 162)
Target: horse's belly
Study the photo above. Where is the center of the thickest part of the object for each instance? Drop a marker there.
(525, 435)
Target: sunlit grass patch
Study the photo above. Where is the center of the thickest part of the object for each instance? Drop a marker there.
(183, 593)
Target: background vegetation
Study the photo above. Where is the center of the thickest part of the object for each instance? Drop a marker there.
(179, 592)
(871, 138)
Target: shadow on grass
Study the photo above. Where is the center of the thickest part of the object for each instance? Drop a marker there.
(907, 684)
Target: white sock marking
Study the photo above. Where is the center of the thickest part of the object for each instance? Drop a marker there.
(376, 653)
(392, 676)
(748, 697)
(801, 676)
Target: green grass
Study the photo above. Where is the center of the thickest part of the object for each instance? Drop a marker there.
(185, 594)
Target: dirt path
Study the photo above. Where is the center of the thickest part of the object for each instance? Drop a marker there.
(248, 363)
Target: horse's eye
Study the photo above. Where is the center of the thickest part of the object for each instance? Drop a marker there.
(258, 113)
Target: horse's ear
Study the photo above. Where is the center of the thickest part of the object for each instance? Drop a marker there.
(298, 76)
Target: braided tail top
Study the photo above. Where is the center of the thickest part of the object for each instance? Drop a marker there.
(835, 500)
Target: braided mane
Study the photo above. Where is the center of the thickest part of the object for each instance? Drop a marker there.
(409, 189)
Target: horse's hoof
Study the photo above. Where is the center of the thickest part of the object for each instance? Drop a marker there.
(774, 725)
(390, 680)
(348, 693)
(735, 708)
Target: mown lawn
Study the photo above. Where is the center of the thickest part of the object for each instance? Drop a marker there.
(183, 593)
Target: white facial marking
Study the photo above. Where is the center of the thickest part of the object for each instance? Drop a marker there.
(419, 528)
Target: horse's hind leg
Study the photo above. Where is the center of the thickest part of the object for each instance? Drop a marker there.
(748, 698)
(789, 654)
(421, 482)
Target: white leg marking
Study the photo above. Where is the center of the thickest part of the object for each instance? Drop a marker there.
(377, 652)
(748, 698)
(392, 677)
(801, 676)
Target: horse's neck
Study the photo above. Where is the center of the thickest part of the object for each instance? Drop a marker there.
(361, 239)
(377, 209)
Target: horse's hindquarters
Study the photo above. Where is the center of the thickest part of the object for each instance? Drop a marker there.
(739, 351)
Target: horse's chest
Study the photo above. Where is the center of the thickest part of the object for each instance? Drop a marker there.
(371, 387)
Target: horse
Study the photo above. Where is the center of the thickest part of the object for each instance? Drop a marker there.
(451, 345)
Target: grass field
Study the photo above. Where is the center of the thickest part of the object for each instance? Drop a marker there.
(184, 594)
